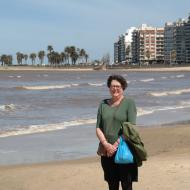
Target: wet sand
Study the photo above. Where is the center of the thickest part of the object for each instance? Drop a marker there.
(168, 167)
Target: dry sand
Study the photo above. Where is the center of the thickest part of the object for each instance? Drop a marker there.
(167, 168)
(35, 68)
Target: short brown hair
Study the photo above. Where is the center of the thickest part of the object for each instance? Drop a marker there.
(118, 78)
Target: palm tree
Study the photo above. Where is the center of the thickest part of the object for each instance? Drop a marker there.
(33, 58)
(82, 54)
(86, 57)
(73, 55)
(67, 53)
(6, 59)
(25, 58)
(20, 56)
(50, 48)
(3, 59)
(41, 55)
(9, 59)
(49, 55)
(57, 58)
(63, 57)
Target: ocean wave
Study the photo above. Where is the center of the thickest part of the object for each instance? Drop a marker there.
(45, 128)
(147, 111)
(44, 87)
(167, 93)
(7, 107)
(96, 84)
(147, 80)
(180, 76)
(141, 112)
(51, 87)
(187, 102)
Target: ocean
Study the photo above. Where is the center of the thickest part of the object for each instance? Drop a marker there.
(51, 115)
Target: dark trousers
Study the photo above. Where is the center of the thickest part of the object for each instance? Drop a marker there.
(114, 185)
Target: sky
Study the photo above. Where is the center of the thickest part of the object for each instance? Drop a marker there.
(29, 26)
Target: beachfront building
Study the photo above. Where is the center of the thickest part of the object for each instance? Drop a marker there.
(116, 53)
(148, 45)
(128, 42)
(122, 48)
(169, 48)
(179, 41)
(187, 41)
(119, 50)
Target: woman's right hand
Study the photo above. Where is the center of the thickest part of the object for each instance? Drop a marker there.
(110, 149)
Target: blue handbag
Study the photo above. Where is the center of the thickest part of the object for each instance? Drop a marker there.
(123, 154)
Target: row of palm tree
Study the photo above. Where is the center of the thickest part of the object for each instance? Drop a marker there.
(6, 59)
(70, 56)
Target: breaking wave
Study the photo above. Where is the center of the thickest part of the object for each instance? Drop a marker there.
(96, 84)
(141, 112)
(147, 80)
(51, 87)
(44, 87)
(58, 126)
(7, 107)
(167, 93)
(45, 128)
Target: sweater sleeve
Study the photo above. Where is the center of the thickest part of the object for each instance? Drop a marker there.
(132, 112)
(99, 118)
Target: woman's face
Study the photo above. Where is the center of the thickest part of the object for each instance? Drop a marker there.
(116, 89)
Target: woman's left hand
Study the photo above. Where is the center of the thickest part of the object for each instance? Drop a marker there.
(114, 149)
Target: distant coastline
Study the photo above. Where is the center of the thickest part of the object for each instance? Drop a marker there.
(135, 69)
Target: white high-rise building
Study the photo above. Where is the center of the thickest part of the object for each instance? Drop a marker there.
(128, 41)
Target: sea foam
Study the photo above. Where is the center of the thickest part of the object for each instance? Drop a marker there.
(46, 127)
(45, 87)
(147, 80)
(167, 93)
(7, 107)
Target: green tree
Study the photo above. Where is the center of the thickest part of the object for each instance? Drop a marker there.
(25, 58)
(73, 55)
(33, 58)
(50, 48)
(41, 55)
(67, 53)
(20, 56)
(6, 59)
(9, 59)
(63, 57)
(3, 59)
(86, 57)
(82, 54)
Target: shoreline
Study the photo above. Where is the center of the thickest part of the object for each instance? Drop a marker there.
(167, 166)
(143, 69)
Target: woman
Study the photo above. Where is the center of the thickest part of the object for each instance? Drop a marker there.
(111, 114)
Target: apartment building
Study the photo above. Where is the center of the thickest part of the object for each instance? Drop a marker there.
(128, 41)
(148, 45)
(122, 47)
(179, 41)
(119, 49)
(187, 41)
(169, 46)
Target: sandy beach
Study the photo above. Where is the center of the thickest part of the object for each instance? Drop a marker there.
(151, 69)
(168, 167)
